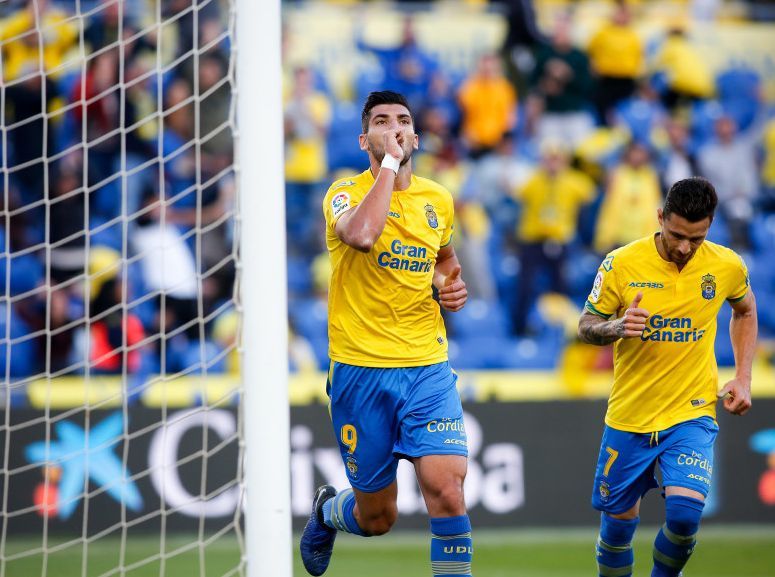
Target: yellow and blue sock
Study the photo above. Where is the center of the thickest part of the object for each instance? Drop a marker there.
(451, 546)
(675, 541)
(339, 513)
(614, 546)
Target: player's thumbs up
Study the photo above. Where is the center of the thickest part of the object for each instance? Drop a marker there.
(453, 295)
(633, 323)
(452, 276)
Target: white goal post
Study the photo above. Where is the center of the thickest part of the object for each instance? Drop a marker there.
(265, 337)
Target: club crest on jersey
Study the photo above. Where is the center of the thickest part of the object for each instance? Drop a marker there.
(605, 491)
(708, 286)
(352, 467)
(430, 214)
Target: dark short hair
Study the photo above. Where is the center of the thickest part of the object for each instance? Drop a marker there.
(692, 198)
(382, 97)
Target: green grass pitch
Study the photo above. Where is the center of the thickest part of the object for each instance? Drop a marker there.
(723, 551)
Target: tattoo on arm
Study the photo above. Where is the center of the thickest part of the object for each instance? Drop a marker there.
(596, 330)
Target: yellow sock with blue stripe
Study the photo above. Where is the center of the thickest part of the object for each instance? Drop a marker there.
(676, 539)
(339, 513)
(451, 546)
(614, 546)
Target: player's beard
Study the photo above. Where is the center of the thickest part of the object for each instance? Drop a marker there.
(678, 259)
(674, 255)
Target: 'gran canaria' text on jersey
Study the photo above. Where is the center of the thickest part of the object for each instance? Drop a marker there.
(674, 330)
(405, 257)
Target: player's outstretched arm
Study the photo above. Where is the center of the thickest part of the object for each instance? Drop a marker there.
(595, 330)
(453, 293)
(743, 329)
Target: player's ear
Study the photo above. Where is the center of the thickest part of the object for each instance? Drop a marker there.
(363, 142)
(660, 217)
(416, 143)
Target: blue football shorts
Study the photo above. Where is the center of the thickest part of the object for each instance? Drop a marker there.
(381, 415)
(625, 466)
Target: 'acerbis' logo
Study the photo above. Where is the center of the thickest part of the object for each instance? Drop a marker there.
(647, 284)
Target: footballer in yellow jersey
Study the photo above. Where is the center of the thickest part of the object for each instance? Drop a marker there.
(381, 307)
(392, 392)
(657, 300)
(668, 374)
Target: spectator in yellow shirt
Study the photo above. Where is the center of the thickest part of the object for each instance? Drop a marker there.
(24, 33)
(488, 102)
(616, 55)
(686, 73)
(631, 200)
(550, 202)
(307, 118)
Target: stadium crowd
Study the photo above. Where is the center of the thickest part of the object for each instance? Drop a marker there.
(555, 153)
(118, 132)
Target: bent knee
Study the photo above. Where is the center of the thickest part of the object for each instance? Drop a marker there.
(447, 500)
(380, 523)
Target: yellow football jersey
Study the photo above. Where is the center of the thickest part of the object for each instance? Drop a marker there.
(669, 374)
(381, 311)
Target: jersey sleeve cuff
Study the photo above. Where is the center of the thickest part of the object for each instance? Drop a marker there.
(335, 219)
(737, 299)
(590, 307)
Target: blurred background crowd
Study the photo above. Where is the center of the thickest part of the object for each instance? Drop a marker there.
(117, 236)
(557, 126)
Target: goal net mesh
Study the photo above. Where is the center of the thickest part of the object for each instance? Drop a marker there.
(120, 425)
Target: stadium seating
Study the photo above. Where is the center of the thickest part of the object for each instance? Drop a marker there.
(342, 144)
(738, 91)
(479, 318)
(309, 317)
(480, 334)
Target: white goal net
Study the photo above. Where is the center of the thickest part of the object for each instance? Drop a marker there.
(120, 428)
